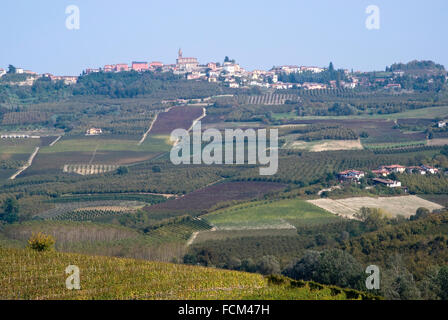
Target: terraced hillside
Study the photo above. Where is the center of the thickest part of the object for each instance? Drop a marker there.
(27, 274)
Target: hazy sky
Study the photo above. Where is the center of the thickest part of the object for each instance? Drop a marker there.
(258, 34)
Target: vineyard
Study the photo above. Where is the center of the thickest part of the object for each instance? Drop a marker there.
(87, 169)
(269, 99)
(23, 118)
(80, 209)
(31, 275)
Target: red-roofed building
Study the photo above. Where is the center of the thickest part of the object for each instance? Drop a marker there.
(140, 66)
(394, 168)
(381, 172)
(109, 68)
(387, 182)
(430, 169)
(351, 175)
(121, 67)
(155, 65)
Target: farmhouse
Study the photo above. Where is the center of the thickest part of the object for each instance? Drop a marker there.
(93, 132)
(350, 175)
(430, 169)
(387, 182)
(381, 172)
(394, 168)
(416, 169)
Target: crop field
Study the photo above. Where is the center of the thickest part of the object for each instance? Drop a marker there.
(201, 200)
(98, 154)
(41, 276)
(283, 214)
(176, 118)
(404, 205)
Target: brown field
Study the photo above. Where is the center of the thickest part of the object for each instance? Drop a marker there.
(438, 142)
(327, 145)
(175, 118)
(403, 205)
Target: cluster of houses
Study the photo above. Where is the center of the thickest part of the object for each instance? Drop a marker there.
(33, 76)
(383, 172)
(230, 73)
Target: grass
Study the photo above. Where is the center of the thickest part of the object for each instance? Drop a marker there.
(31, 275)
(269, 215)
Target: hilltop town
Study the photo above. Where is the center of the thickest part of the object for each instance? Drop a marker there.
(232, 74)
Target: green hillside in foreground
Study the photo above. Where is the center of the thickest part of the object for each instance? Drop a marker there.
(27, 274)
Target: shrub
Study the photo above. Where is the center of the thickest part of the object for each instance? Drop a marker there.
(41, 242)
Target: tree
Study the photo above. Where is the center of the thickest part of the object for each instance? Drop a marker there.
(122, 170)
(11, 69)
(421, 213)
(10, 211)
(269, 265)
(442, 281)
(397, 283)
(41, 242)
(333, 266)
(372, 218)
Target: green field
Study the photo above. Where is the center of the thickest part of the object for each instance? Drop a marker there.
(35, 275)
(10, 146)
(269, 215)
(90, 144)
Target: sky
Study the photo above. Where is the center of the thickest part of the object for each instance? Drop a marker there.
(257, 34)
